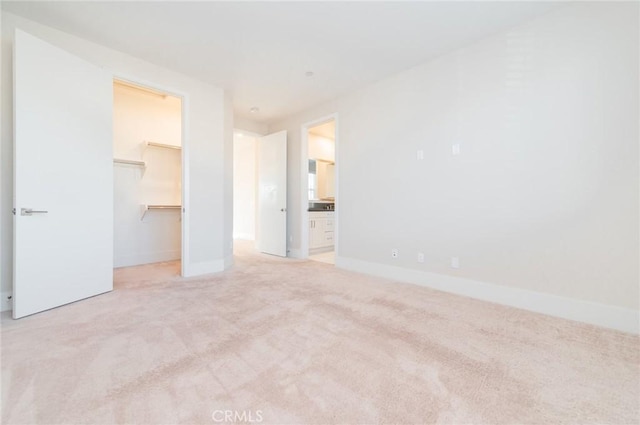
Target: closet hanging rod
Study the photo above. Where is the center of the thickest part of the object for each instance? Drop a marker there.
(162, 145)
(161, 207)
(129, 162)
(146, 208)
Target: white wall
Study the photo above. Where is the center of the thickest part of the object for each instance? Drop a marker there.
(322, 148)
(245, 169)
(543, 198)
(246, 125)
(140, 116)
(227, 180)
(244, 186)
(208, 146)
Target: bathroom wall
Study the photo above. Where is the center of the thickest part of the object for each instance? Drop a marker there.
(321, 148)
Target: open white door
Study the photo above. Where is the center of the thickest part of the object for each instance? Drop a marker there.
(63, 248)
(272, 194)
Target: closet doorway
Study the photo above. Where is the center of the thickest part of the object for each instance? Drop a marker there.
(148, 174)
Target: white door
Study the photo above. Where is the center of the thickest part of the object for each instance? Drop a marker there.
(272, 194)
(63, 249)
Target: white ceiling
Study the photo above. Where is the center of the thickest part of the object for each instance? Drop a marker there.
(260, 51)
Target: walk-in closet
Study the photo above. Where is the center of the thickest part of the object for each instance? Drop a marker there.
(147, 137)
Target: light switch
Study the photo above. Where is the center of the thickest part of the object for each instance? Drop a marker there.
(420, 155)
(455, 149)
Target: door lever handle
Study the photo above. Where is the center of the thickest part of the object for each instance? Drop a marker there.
(29, 211)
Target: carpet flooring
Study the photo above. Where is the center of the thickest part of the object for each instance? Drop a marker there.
(325, 257)
(289, 342)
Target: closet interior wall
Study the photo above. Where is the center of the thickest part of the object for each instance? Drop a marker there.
(147, 176)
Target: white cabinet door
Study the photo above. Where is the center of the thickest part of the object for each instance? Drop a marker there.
(63, 153)
(313, 236)
(321, 229)
(316, 232)
(328, 239)
(317, 228)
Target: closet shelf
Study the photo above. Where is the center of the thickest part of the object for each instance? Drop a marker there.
(146, 208)
(129, 162)
(162, 145)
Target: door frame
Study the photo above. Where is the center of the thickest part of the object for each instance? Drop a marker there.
(304, 178)
(184, 126)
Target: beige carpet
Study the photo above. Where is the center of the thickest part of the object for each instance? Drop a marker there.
(303, 342)
(325, 257)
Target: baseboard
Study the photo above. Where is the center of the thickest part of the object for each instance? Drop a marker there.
(205, 267)
(6, 303)
(619, 318)
(146, 258)
(321, 250)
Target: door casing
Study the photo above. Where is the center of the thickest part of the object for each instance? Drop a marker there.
(184, 143)
(304, 186)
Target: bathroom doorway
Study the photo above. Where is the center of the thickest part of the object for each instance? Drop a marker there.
(320, 181)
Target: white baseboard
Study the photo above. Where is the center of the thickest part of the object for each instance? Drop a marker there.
(321, 250)
(146, 258)
(6, 304)
(619, 318)
(206, 267)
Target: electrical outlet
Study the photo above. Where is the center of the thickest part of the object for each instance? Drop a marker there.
(455, 263)
(455, 149)
(394, 253)
(420, 154)
(421, 257)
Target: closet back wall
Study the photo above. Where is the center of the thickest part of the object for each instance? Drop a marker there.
(140, 116)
